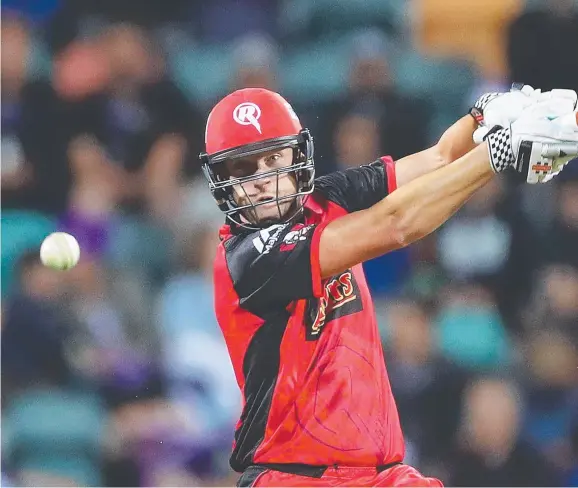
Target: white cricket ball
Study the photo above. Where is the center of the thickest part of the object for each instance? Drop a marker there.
(60, 251)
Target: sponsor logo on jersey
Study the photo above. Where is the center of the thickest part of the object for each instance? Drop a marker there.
(267, 238)
(292, 238)
(340, 298)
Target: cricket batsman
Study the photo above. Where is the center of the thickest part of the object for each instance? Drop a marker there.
(290, 293)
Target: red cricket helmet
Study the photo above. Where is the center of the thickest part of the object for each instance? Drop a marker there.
(247, 122)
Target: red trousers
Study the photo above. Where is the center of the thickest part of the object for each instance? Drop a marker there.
(399, 475)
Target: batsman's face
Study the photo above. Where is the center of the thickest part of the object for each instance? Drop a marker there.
(267, 188)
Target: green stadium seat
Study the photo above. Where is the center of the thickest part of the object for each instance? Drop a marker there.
(323, 18)
(21, 230)
(56, 432)
(315, 71)
(203, 72)
(473, 338)
(446, 83)
(40, 63)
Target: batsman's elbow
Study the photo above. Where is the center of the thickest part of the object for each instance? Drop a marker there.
(406, 228)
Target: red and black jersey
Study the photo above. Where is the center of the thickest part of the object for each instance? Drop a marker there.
(307, 352)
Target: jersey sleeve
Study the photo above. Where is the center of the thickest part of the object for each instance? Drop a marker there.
(359, 188)
(272, 267)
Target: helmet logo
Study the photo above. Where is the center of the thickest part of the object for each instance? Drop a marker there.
(247, 114)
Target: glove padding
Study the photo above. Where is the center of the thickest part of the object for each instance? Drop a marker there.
(537, 146)
(503, 109)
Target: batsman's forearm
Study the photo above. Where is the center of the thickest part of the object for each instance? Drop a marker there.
(424, 204)
(454, 143)
(404, 216)
(457, 141)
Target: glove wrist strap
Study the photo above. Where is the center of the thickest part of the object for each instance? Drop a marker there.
(500, 149)
(477, 111)
(477, 115)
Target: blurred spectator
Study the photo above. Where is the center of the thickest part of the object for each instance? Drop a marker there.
(101, 348)
(572, 477)
(34, 165)
(548, 33)
(555, 301)
(396, 125)
(489, 451)
(426, 385)
(490, 241)
(144, 123)
(197, 209)
(199, 371)
(226, 20)
(560, 240)
(137, 250)
(94, 197)
(551, 396)
(256, 60)
(175, 428)
(357, 140)
(427, 278)
(77, 19)
(555, 286)
(34, 329)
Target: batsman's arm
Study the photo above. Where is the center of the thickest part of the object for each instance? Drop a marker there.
(406, 215)
(453, 144)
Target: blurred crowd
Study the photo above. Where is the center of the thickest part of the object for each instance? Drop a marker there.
(115, 373)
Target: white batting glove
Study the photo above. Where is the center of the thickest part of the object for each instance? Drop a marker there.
(537, 146)
(502, 109)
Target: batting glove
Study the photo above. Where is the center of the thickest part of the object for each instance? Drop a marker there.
(537, 146)
(502, 109)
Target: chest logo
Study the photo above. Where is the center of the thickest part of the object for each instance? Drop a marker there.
(340, 298)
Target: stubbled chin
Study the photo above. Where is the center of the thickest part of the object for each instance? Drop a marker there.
(270, 213)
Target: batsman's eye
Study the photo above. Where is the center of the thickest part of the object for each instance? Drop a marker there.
(241, 168)
(278, 160)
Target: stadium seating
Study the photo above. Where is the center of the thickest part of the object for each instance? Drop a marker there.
(304, 19)
(473, 338)
(21, 230)
(54, 431)
(202, 72)
(444, 82)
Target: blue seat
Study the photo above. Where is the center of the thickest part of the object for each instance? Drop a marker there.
(314, 71)
(139, 245)
(446, 83)
(323, 18)
(40, 63)
(475, 339)
(203, 72)
(56, 432)
(21, 230)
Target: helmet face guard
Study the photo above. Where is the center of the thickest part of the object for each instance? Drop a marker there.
(222, 184)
